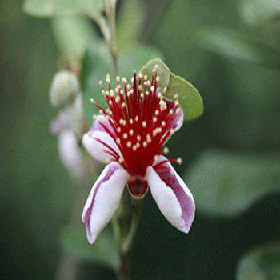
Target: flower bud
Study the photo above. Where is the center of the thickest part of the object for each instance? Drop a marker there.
(63, 89)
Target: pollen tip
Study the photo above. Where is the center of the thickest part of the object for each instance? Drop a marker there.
(165, 150)
(156, 157)
(100, 83)
(92, 100)
(118, 79)
(179, 160)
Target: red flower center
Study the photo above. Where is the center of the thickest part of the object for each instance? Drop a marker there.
(141, 119)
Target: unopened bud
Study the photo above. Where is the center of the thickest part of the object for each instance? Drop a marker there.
(63, 89)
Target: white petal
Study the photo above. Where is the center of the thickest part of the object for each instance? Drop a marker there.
(104, 199)
(96, 149)
(71, 154)
(172, 196)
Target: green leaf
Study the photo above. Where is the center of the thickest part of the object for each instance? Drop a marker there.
(233, 45)
(260, 263)
(227, 183)
(49, 8)
(163, 72)
(73, 33)
(96, 64)
(188, 97)
(39, 8)
(257, 12)
(103, 251)
(130, 21)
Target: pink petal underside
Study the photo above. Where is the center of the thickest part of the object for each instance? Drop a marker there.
(99, 124)
(104, 199)
(171, 195)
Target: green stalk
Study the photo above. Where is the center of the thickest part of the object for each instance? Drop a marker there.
(125, 224)
(111, 14)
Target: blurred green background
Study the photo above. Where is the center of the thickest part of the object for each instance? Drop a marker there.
(231, 154)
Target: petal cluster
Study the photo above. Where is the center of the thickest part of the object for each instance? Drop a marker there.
(129, 135)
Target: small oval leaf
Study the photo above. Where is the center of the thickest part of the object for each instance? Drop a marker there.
(188, 97)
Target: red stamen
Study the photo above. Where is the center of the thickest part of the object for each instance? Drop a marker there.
(142, 121)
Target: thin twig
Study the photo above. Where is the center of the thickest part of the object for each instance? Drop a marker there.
(111, 14)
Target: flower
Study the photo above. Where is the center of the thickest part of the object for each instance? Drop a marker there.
(129, 136)
(65, 96)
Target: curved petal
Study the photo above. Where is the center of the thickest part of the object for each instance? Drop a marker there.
(104, 199)
(172, 196)
(100, 119)
(91, 141)
(71, 154)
